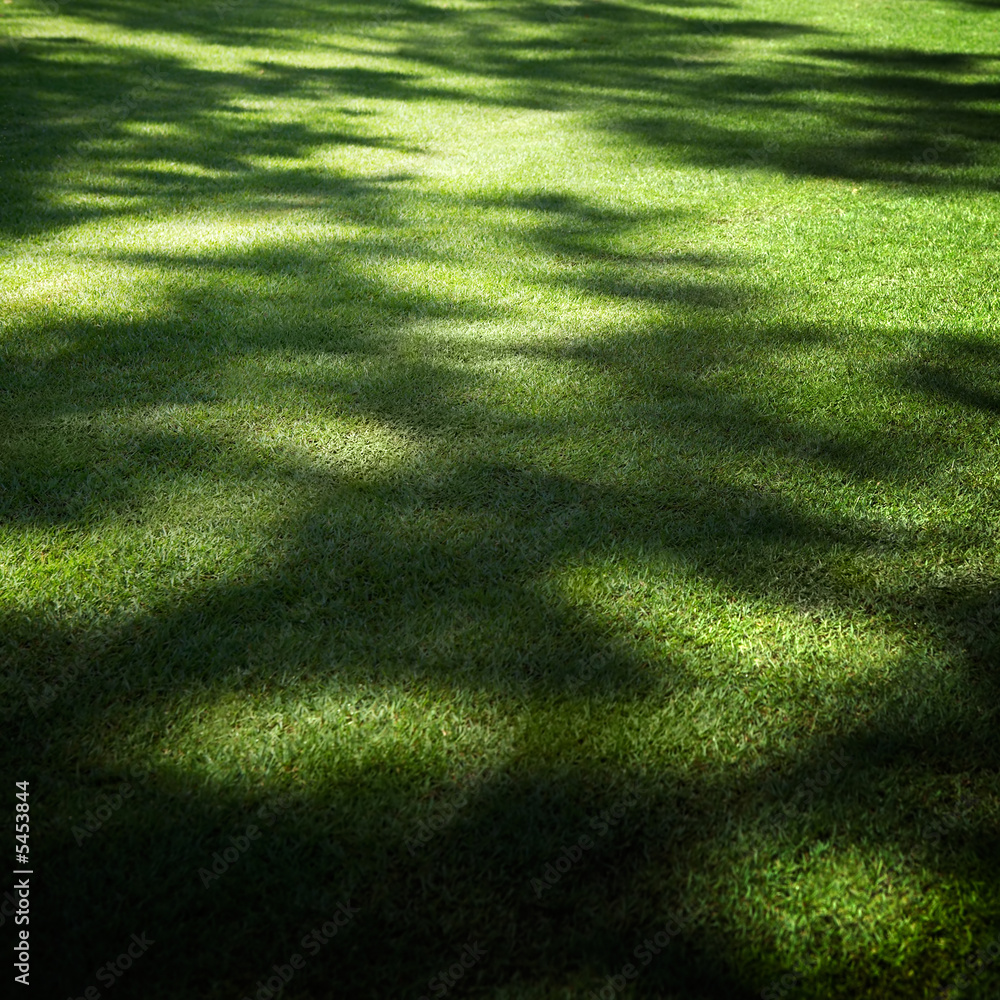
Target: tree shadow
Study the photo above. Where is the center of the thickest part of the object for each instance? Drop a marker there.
(962, 370)
(430, 568)
(892, 115)
(434, 581)
(164, 132)
(896, 115)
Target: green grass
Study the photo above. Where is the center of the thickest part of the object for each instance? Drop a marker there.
(485, 415)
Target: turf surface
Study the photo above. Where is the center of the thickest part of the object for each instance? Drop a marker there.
(517, 479)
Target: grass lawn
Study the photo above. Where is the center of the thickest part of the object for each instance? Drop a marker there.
(500, 498)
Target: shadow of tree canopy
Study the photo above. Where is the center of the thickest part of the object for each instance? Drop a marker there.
(393, 580)
(962, 370)
(419, 555)
(887, 114)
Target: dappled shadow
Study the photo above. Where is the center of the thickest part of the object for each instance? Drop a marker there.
(870, 114)
(894, 115)
(961, 370)
(204, 143)
(411, 517)
(400, 580)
